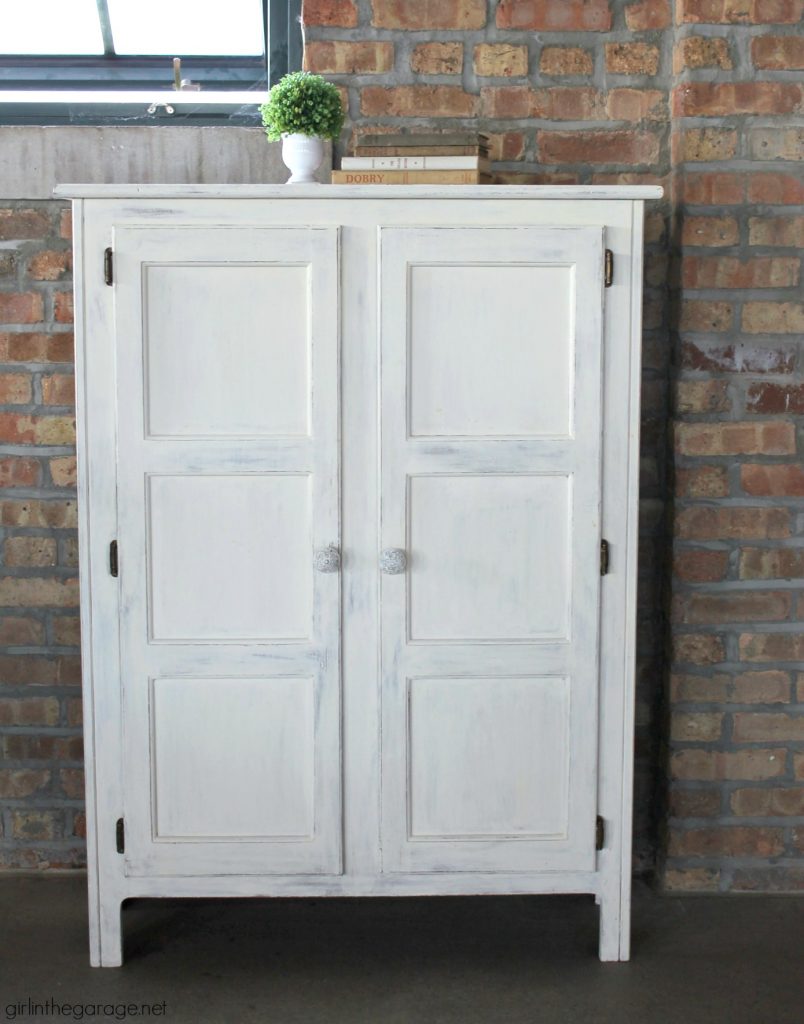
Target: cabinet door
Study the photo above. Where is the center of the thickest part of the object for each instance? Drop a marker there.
(491, 344)
(227, 392)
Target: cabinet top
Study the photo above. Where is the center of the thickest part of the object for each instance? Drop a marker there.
(133, 191)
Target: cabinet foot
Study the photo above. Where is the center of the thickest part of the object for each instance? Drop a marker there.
(107, 951)
(614, 940)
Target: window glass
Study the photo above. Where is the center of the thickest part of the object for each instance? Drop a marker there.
(186, 27)
(50, 27)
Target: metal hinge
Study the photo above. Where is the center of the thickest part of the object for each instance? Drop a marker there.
(608, 268)
(120, 836)
(600, 833)
(604, 557)
(108, 266)
(114, 567)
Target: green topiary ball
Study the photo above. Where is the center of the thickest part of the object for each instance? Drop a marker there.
(303, 103)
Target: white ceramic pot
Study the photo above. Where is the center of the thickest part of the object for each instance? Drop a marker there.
(302, 155)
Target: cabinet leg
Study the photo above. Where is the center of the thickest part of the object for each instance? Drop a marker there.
(614, 941)
(108, 950)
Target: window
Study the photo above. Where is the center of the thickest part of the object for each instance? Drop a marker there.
(144, 61)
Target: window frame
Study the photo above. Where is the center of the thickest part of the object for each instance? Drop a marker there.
(28, 82)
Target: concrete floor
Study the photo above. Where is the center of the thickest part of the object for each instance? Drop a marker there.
(514, 960)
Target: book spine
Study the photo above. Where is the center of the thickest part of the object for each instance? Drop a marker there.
(366, 151)
(410, 178)
(414, 163)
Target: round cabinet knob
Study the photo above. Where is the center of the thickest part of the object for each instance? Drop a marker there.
(327, 559)
(393, 561)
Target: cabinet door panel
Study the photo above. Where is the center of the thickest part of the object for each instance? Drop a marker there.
(491, 343)
(227, 362)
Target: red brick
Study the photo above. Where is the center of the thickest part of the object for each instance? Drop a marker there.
(700, 565)
(700, 396)
(63, 307)
(565, 60)
(710, 231)
(338, 57)
(34, 825)
(720, 99)
(706, 316)
(66, 224)
(339, 13)
(428, 14)
(21, 307)
(727, 842)
(712, 765)
(58, 389)
(772, 187)
(66, 630)
(39, 670)
(63, 471)
(23, 347)
(18, 783)
(636, 105)
(72, 782)
(417, 101)
(42, 748)
(699, 689)
(773, 317)
(772, 563)
(772, 438)
(601, 147)
(756, 727)
(772, 647)
(701, 52)
(767, 803)
(696, 726)
(50, 265)
(570, 103)
(702, 482)
(698, 649)
(798, 766)
(501, 60)
(632, 58)
(554, 15)
(700, 609)
(769, 480)
(718, 189)
(705, 522)
(16, 428)
(23, 224)
(16, 631)
(763, 397)
(29, 711)
(778, 53)
(769, 687)
(691, 879)
(737, 358)
(784, 231)
(15, 388)
(732, 272)
(17, 471)
(31, 592)
(695, 803)
(506, 101)
(29, 551)
(776, 143)
(704, 145)
(730, 12)
(34, 512)
(506, 145)
(647, 14)
(437, 59)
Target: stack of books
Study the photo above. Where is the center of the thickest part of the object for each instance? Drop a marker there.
(455, 159)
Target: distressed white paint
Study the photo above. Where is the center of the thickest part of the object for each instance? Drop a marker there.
(498, 579)
(217, 578)
(274, 214)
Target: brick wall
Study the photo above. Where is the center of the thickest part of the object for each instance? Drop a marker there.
(700, 96)
(736, 690)
(41, 771)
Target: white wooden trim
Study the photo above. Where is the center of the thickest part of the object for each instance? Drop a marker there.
(383, 192)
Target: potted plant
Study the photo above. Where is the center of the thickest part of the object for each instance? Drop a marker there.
(302, 110)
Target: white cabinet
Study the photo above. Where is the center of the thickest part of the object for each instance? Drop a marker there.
(348, 460)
